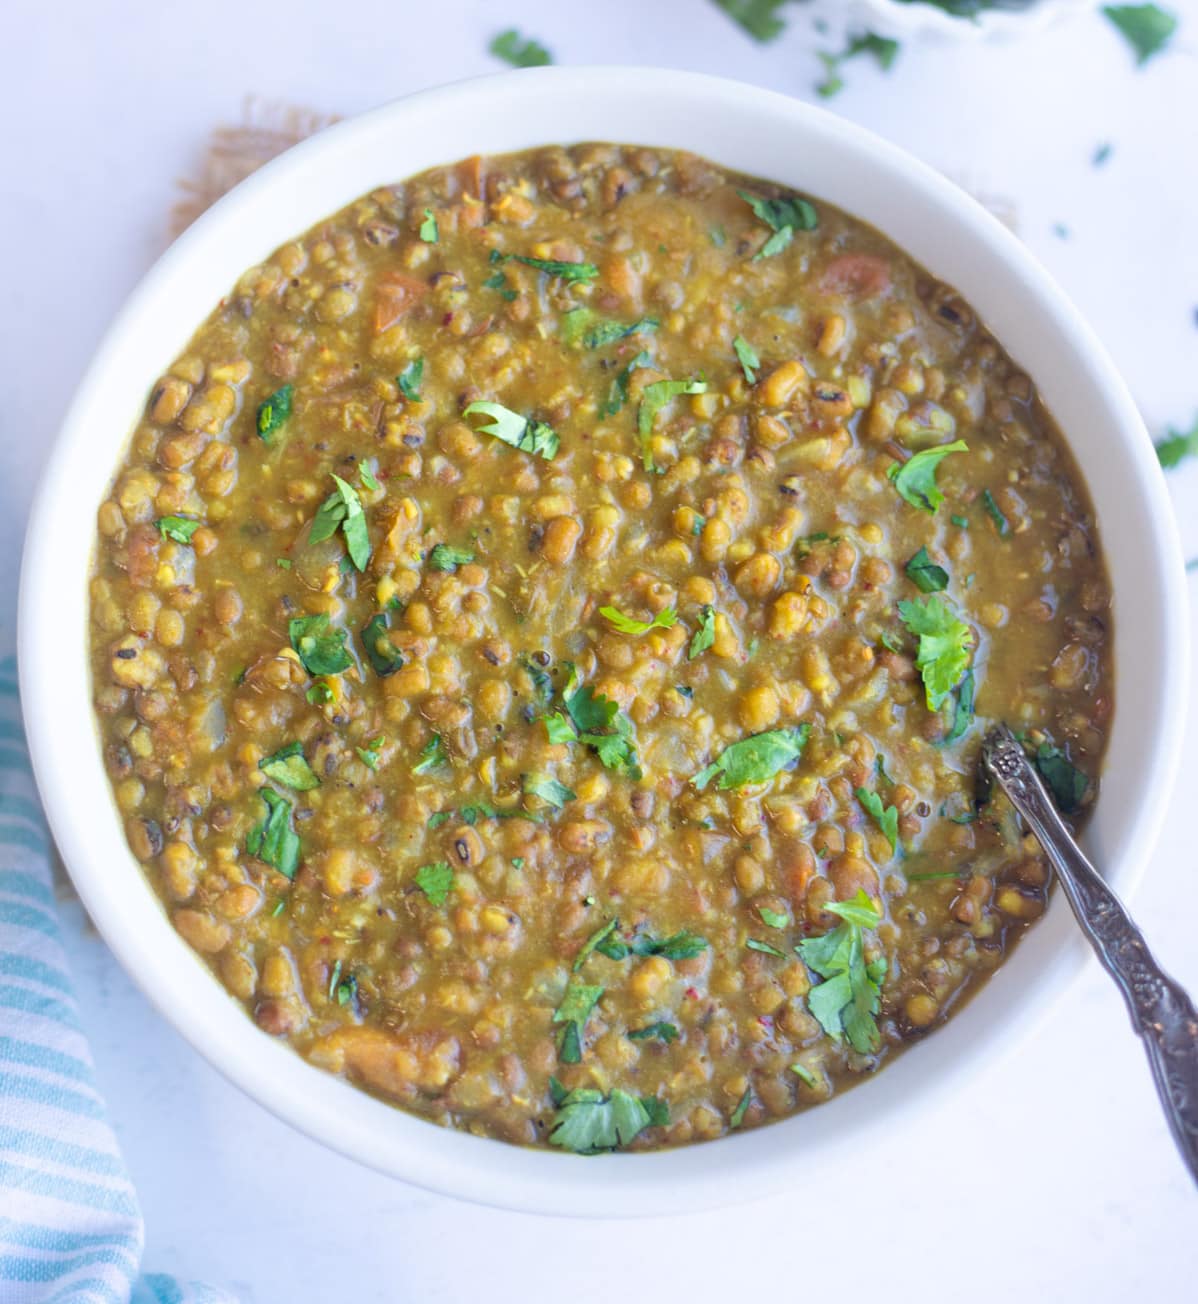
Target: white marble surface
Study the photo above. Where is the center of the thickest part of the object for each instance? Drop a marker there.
(1054, 1175)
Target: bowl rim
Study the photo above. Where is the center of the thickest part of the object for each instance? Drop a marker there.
(745, 1166)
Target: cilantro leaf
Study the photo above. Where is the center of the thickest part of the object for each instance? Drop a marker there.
(409, 380)
(574, 1011)
(804, 1074)
(885, 817)
(1146, 28)
(432, 754)
(273, 412)
(915, 479)
(704, 636)
(1177, 446)
(367, 477)
(662, 1030)
(589, 712)
(593, 942)
(882, 48)
(524, 433)
(321, 648)
(962, 709)
(519, 51)
(784, 217)
(766, 948)
(1065, 781)
(746, 355)
(589, 1122)
(342, 510)
(943, 646)
(923, 572)
(773, 918)
(178, 528)
(683, 945)
(435, 881)
(995, 512)
(289, 768)
(758, 17)
(846, 1002)
(617, 394)
(628, 625)
(755, 759)
(608, 332)
(429, 231)
(445, 558)
(497, 281)
(384, 657)
(369, 755)
(548, 789)
(565, 271)
(654, 398)
(274, 840)
(742, 1108)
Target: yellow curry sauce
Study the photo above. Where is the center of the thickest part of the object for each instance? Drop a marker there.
(543, 629)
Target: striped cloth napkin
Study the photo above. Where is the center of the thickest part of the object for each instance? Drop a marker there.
(71, 1229)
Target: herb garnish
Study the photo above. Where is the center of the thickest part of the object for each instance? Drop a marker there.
(915, 479)
(704, 636)
(1146, 28)
(1177, 446)
(846, 1002)
(617, 394)
(443, 557)
(662, 1030)
(742, 1108)
(882, 48)
(885, 817)
(321, 648)
(1065, 781)
(923, 572)
(369, 755)
(274, 411)
(654, 398)
(962, 709)
(943, 646)
(432, 754)
(766, 948)
(755, 759)
(565, 271)
(435, 881)
(429, 231)
(497, 281)
(384, 657)
(683, 945)
(773, 918)
(804, 1074)
(758, 17)
(784, 217)
(995, 512)
(274, 840)
(290, 769)
(410, 379)
(609, 331)
(519, 51)
(592, 942)
(342, 510)
(178, 528)
(746, 355)
(628, 625)
(597, 722)
(548, 789)
(574, 1011)
(589, 1122)
(524, 433)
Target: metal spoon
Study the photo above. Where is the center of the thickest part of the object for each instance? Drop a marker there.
(1161, 1012)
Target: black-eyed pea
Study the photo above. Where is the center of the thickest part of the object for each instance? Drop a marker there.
(699, 589)
(714, 541)
(227, 606)
(725, 642)
(782, 383)
(578, 836)
(134, 665)
(109, 519)
(238, 974)
(767, 998)
(560, 539)
(493, 699)
(771, 431)
(180, 867)
(648, 979)
(615, 1052)
(759, 575)
(201, 931)
(209, 410)
(882, 414)
(238, 902)
(794, 980)
(467, 847)
(921, 1010)
(758, 708)
(1069, 667)
(831, 336)
(748, 873)
(1014, 903)
(788, 614)
(168, 400)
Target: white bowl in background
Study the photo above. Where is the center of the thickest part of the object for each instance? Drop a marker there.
(895, 19)
(760, 133)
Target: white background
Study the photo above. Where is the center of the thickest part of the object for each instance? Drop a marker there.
(1053, 1176)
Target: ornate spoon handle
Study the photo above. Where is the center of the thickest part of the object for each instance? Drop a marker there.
(1161, 1012)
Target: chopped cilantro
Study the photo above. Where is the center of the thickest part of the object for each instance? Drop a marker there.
(432, 754)
(885, 817)
(596, 938)
(784, 217)
(1101, 154)
(683, 945)
(588, 1122)
(704, 636)
(923, 572)
(274, 840)
(846, 1002)
(654, 398)
(524, 433)
(519, 51)
(565, 271)
(369, 755)
(961, 522)
(1146, 28)
(758, 17)
(321, 648)
(178, 528)
(367, 477)
(718, 236)
(342, 510)
(273, 412)
(548, 789)
(288, 768)
(319, 694)
(663, 1031)
(962, 709)
(773, 918)
(882, 48)
(346, 990)
(384, 657)
(435, 881)
(497, 281)
(610, 331)
(410, 379)
(597, 722)
(1177, 446)
(627, 625)
(445, 558)
(578, 1002)
(755, 759)
(1065, 781)
(766, 948)
(746, 355)
(915, 479)
(943, 646)
(617, 394)
(742, 1108)
(995, 512)
(429, 232)
(804, 1074)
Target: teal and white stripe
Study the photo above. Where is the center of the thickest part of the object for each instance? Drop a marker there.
(71, 1229)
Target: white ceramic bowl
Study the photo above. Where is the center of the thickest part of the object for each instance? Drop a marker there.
(741, 127)
(889, 18)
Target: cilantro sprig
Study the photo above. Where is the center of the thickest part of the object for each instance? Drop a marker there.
(784, 217)
(915, 479)
(320, 646)
(274, 840)
(519, 51)
(596, 722)
(588, 1122)
(524, 433)
(573, 1012)
(944, 644)
(289, 768)
(850, 996)
(342, 510)
(755, 759)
